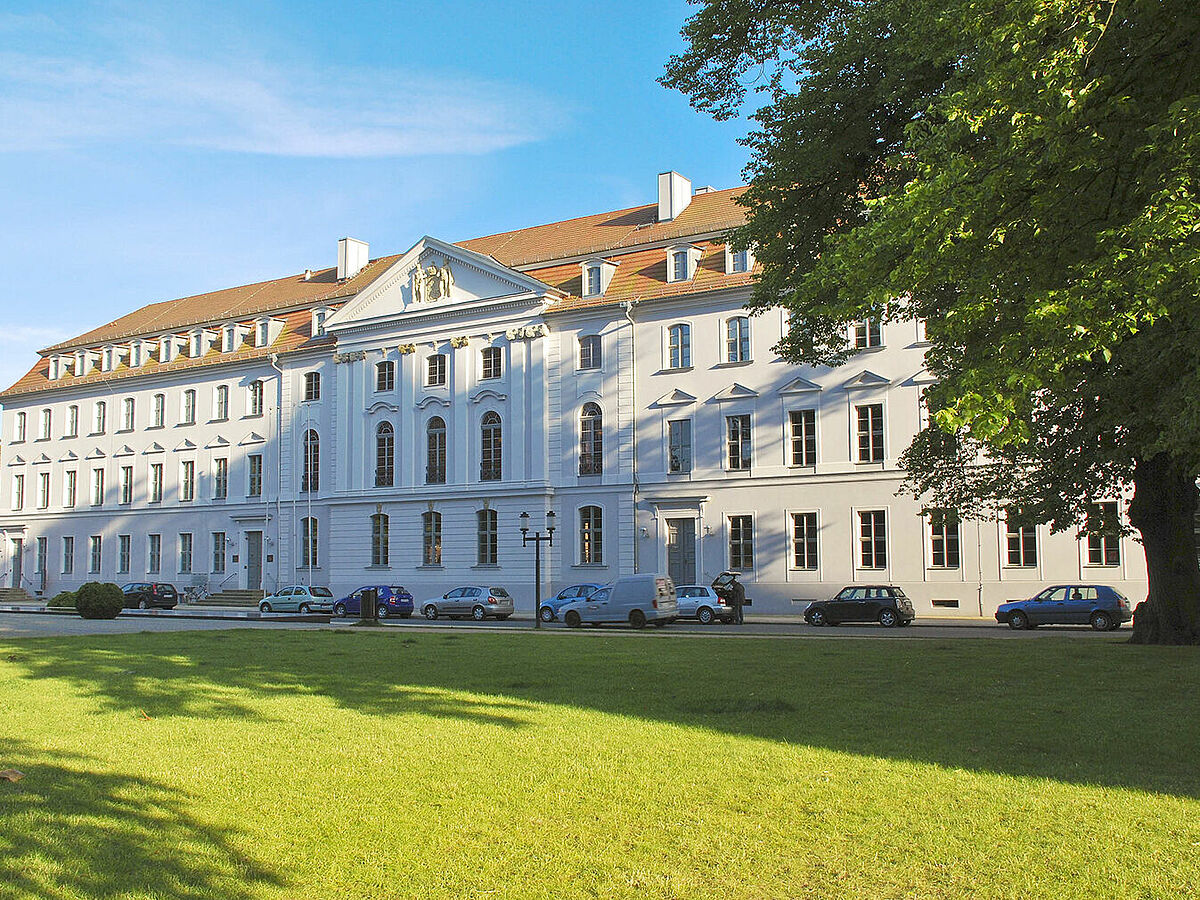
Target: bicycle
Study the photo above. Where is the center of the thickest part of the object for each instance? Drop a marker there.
(197, 593)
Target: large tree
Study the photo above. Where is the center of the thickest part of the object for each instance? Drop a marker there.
(1021, 175)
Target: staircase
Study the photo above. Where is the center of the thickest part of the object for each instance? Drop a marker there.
(235, 597)
(14, 595)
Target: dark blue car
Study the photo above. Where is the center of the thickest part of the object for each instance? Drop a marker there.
(392, 600)
(1098, 605)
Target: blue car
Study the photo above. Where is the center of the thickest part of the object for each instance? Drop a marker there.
(392, 600)
(1098, 605)
(549, 609)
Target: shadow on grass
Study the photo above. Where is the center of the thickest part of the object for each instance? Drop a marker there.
(1093, 711)
(71, 830)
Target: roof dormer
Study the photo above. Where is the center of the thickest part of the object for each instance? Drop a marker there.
(200, 341)
(168, 347)
(682, 260)
(319, 316)
(597, 273)
(738, 261)
(57, 368)
(83, 362)
(266, 331)
(139, 353)
(233, 336)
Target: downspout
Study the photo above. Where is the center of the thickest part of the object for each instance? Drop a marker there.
(273, 359)
(627, 307)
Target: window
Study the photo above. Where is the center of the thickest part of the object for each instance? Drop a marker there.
(589, 352)
(72, 421)
(95, 553)
(47, 417)
(593, 282)
(737, 339)
(308, 541)
(591, 536)
(741, 543)
(127, 407)
(310, 478)
(490, 362)
(385, 455)
(737, 430)
(435, 370)
(69, 481)
(870, 432)
(318, 318)
(229, 339)
(159, 418)
(197, 349)
(156, 482)
(944, 538)
(97, 487)
(124, 547)
(221, 403)
(431, 538)
(385, 376)
(679, 265)
(256, 398)
(803, 426)
(135, 354)
(166, 349)
(99, 413)
(379, 540)
(154, 554)
(187, 481)
(490, 459)
(218, 552)
(312, 386)
(679, 346)
(1022, 543)
(185, 553)
(867, 333)
(872, 542)
(487, 534)
(254, 482)
(220, 478)
(43, 551)
(19, 434)
(1104, 536)
(189, 407)
(262, 333)
(679, 446)
(739, 261)
(18, 495)
(126, 485)
(591, 440)
(43, 497)
(68, 567)
(804, 540)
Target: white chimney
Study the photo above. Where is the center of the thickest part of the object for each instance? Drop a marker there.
(674, 194)
(352, 257)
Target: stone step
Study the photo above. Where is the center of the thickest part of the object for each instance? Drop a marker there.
(14, 595)
(235, 597)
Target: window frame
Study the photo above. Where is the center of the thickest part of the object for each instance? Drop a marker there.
(590, 543)
(589, 353)
(738, 347)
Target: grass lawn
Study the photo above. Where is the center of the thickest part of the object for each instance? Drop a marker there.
(353, 763)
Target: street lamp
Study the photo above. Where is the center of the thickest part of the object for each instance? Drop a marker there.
(537, 538)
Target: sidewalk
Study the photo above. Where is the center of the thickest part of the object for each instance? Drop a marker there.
(190, 611)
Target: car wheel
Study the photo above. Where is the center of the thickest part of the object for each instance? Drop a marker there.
(637, 618)
(546, 614)
(143, 604)
(572, 619)
(304, 609)
(705, 615)
(381, 611)
(430, 612)
(478, 613)
(339, 610)
(264, 607)
(888, 618)
(1101, 621)
(1018, 621)
(816, 617)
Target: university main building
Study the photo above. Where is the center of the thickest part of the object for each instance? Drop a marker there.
(388, 420)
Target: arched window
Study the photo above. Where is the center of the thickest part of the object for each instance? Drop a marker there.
(431, 539)
(679, 342)
(591, 535)
(308, 542)
(490, 466)
(487, 533)
(379, 539)
(385, 455)
(310, 481)
(435, 451)
(737, 339)
(591, 440)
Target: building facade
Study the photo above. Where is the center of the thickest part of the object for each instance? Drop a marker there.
(388, 420)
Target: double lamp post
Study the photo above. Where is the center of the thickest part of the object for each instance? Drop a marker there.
(537, 538)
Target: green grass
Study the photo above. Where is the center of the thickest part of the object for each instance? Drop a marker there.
(355, 763)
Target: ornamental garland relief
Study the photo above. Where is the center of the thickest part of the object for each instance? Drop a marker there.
(527, 332)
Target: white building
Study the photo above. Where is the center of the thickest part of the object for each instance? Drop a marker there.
(387, 421)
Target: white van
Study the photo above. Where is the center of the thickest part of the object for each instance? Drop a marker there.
(636, 599)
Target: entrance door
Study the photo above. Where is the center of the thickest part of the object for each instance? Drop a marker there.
(681, 550)
(18, 554)
(254, 547)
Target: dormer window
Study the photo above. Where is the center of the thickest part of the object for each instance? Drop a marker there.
(319, 316)
(166, 349)
(228, 339)
(597, 273)
(107, 359)
(593, 281)
(136, 354)
(56, 366)
(681, 262)
(266, 330)
(738, 261)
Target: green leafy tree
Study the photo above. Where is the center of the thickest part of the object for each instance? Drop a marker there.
(1022, 176)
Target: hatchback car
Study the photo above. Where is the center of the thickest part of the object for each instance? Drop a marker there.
(882, 603)
(390, 600)
(696, 601)
(479, 601)
(549, 609)
(301, 598)
(1098, 605)
(144, 595)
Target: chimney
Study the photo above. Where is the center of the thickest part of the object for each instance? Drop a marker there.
(674, 194)
(352, 258)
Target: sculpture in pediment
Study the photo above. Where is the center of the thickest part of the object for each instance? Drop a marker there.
(432, 282)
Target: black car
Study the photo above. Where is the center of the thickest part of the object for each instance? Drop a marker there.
(144, 594)
(882, 603)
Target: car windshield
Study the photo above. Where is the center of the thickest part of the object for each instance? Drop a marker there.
(320, 592)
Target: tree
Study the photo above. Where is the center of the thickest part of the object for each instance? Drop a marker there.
(1022, 176)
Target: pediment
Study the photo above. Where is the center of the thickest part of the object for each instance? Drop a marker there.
(434, 275)
(185, 445)
(675, 398)
(919, 379)
(69, 456)
(218, 441)
(252, 438)
(42, 460)
(866, 379)
(96, 453)
(735, 392)
(799, 386)
(433, 401)
(154, 448)
(488, 394)
(380, 406)
(16, 461)
(124, 451)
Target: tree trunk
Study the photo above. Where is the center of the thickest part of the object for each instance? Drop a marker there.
(1163, 510)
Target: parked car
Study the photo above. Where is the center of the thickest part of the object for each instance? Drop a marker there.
(301, 598)
(636, 599)
(549, 609)
(696, 601)
(478, 601)
(144, 595)
(391, 600)
(882, 603)
(1098, 605)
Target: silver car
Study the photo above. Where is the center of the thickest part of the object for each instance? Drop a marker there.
(698, 601)
(479, 601)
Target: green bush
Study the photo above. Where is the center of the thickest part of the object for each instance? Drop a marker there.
(63, 599)
(96, 600)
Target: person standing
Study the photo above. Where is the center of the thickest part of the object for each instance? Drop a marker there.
(737, 597)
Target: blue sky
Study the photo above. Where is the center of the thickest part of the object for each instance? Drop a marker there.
(154, 150)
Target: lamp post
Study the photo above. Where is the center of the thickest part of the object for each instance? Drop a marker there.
(537, 538)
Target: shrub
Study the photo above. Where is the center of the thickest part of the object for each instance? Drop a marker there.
(63, 599)
(96, 600)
